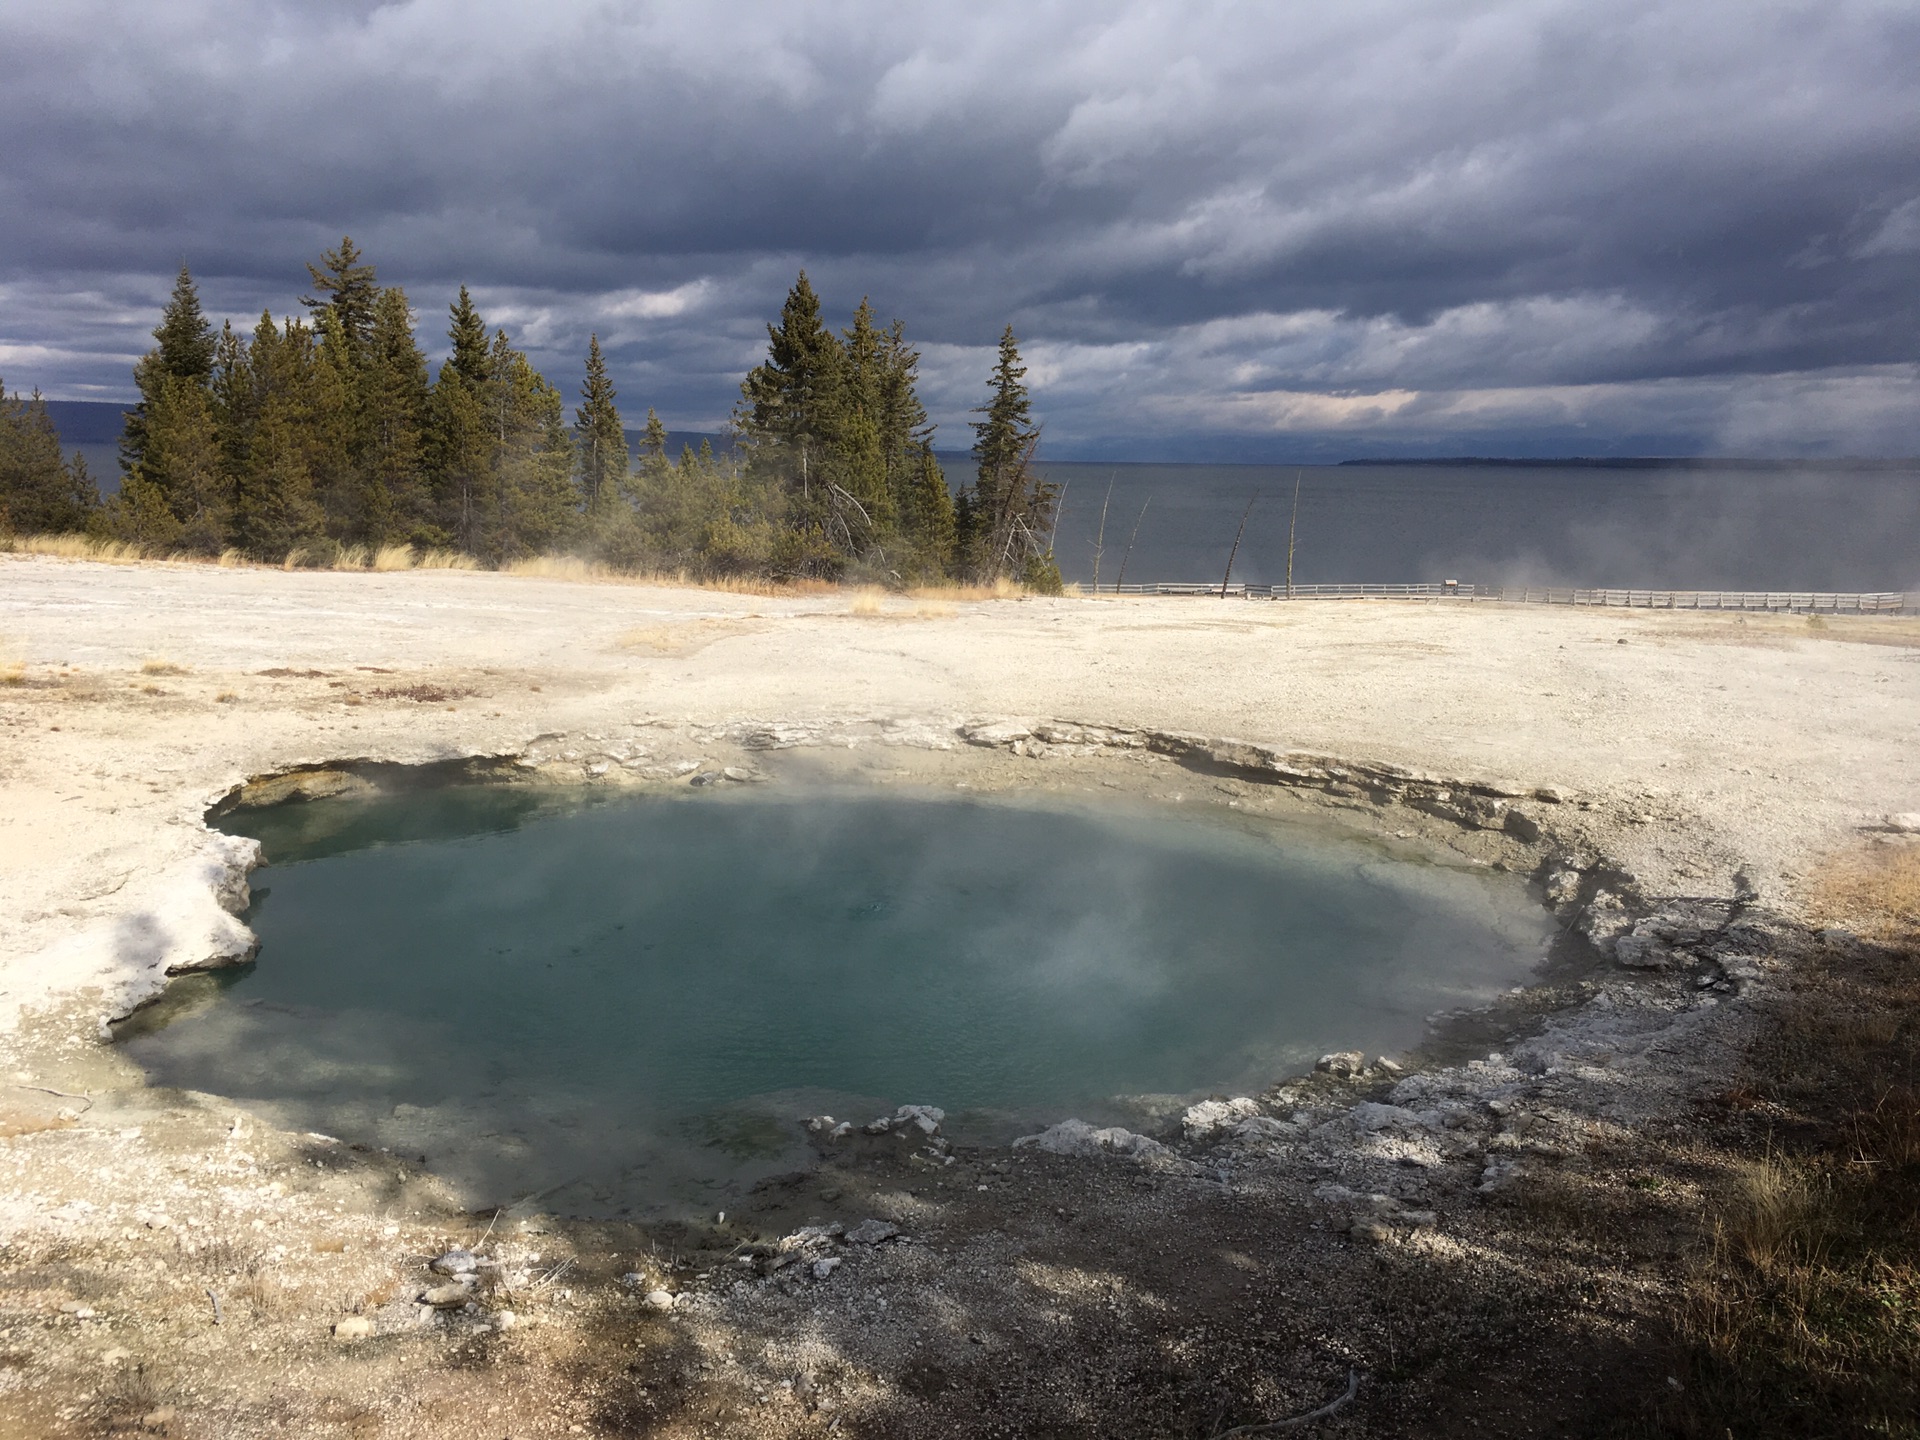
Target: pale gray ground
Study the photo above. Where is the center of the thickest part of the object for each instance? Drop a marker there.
(1689, 750)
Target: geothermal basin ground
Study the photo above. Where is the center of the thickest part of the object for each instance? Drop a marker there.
(1415, 1232)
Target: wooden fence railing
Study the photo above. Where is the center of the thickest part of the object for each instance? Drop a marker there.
(1819, 602)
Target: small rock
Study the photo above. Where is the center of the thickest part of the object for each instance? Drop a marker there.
(1640, 951)
(454, 1262)
(737, 775)
(1211, 1116)
(872, 1232)
(996, 733)
(1264, 1127)
(446, 1297)
(925, 1118)
(505, 1320)
(820, 1122)
(880, 1126)
(598, 768)
(1077, 1138)
(354, 1327)
(823, 1268)
(1552, 795)
(1372, 1116)
(660, 1300)
(1370, 1229)
(116, 1356)
(1907, 822)
(160, 1418)
(1522, 826)
(1342, 1064)
(706, 777)
(841, 1131)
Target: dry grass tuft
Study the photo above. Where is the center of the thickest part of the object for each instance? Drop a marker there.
(557, 567)
(1001, 589)
(1775, 1219)
(158, 666)
(392, 557)
(867, 600)
(73, 547)
(446, 560)
(1874, 889)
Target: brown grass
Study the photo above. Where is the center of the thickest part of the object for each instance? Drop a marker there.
(1803, 1314)
(73, 547)
(1001, 589)
(158, 666)
(1874, 890)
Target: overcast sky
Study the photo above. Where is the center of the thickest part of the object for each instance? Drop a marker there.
(1267, 230)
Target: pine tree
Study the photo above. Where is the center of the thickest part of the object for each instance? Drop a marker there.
(183, 458)
(928, 522)
(599, 440)
(1009, 513)
(395, 500)
(789, 401)
(39, 492)
(469, 336)
(276, 510)
(653, 441)
(236, 407)
(532, 467)
(858, 441)
(184, 352)
(460, 454)
(349, 293)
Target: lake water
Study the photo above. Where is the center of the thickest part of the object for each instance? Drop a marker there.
(1740, 529)
(632, 1003)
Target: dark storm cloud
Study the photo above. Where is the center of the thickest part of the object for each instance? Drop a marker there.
(1691, 224)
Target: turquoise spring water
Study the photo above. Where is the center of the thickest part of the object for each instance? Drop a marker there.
(635, 999)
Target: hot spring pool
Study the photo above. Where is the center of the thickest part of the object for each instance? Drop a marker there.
(626, 1004)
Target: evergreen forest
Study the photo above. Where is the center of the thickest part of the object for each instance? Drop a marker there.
(320, 438)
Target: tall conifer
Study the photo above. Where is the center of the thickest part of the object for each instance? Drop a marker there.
(395, 501)
(599, 440)
(349, 292)
(184, 352)
(1009, 514)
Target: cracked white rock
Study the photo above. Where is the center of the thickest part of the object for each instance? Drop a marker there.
(1211, 1116)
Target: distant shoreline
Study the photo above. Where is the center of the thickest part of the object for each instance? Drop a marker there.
(98, 422)
(1657, 462)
